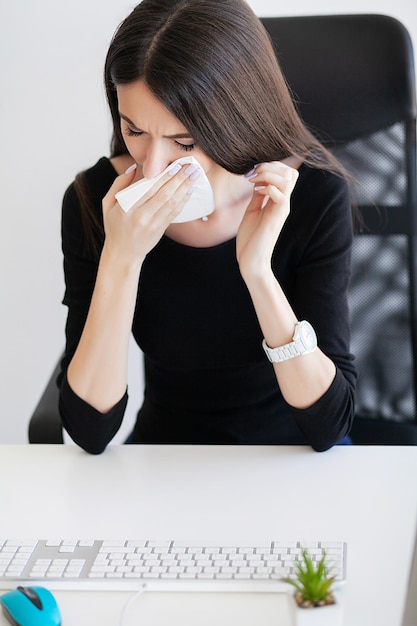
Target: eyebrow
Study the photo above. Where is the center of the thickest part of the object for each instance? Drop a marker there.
(176, 136)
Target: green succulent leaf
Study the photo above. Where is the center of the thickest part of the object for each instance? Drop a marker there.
(312, 580)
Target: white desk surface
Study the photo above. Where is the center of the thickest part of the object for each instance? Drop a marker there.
(366, 496)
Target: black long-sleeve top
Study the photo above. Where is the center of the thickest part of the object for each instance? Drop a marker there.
(207, 378)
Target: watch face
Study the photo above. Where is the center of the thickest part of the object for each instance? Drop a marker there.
(308, 336)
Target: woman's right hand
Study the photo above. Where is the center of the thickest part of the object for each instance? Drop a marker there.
(98, 370)
(131, 235)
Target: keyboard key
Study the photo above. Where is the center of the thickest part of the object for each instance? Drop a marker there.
(176, 565)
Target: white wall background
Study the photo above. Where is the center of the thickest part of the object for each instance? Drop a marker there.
(53, 123)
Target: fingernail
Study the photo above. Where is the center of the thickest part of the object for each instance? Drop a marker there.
(190, 170)
(191, 190)
(174, 169)
(260, 187)
(194, 175)
(131, 168)
(251, 174)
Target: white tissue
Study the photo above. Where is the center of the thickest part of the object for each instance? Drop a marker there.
(200, 204)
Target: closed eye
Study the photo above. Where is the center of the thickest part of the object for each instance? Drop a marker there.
(133, 133)
(183, 146)
(186, 146)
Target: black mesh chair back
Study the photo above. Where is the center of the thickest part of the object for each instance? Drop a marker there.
(353, 80)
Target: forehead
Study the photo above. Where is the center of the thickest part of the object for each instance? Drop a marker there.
(142, 107)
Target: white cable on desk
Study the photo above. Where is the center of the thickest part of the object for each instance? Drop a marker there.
(130, 602)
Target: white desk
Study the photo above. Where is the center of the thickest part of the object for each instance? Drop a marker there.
(364, 495)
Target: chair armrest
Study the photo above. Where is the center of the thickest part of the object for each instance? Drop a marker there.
(45, 424)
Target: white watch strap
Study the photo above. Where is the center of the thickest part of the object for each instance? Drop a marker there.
(283, 353)
(296, 347)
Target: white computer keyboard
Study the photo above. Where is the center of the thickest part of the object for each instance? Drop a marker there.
(163, 565)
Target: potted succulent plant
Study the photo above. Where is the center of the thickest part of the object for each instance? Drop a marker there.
(314, 602)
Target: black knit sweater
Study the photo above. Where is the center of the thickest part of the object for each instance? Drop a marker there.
(207, 379)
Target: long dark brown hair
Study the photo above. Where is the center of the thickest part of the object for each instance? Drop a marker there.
(213, 66)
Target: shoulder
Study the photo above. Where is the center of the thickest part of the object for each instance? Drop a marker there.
(320, 194)
(321, 210)
(99, 178)
(322, 184)
(95, 181)
(81, 204)
(92, 183)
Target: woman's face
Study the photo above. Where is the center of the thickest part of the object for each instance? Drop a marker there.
(153, 135)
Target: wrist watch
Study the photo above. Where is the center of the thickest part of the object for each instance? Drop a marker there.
(304, 341)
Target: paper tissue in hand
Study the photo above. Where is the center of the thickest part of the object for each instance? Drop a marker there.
(200, 204)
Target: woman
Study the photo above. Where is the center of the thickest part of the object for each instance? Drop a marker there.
(210, 302)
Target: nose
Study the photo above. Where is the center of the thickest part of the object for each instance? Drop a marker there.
(155, 162)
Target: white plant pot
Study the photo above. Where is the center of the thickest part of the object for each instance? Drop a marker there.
(331, 615)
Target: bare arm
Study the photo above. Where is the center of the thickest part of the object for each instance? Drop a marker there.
(98, 370)
(302, 380)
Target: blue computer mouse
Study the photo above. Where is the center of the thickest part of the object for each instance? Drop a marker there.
(31, 606)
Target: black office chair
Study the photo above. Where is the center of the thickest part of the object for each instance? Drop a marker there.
(353, 80)
(45, 423)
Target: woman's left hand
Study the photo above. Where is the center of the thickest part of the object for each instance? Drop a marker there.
(265, 215)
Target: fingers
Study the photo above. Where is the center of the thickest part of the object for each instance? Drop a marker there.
(170, 193)
(167, 196)
(119, 183)
(275, 179)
